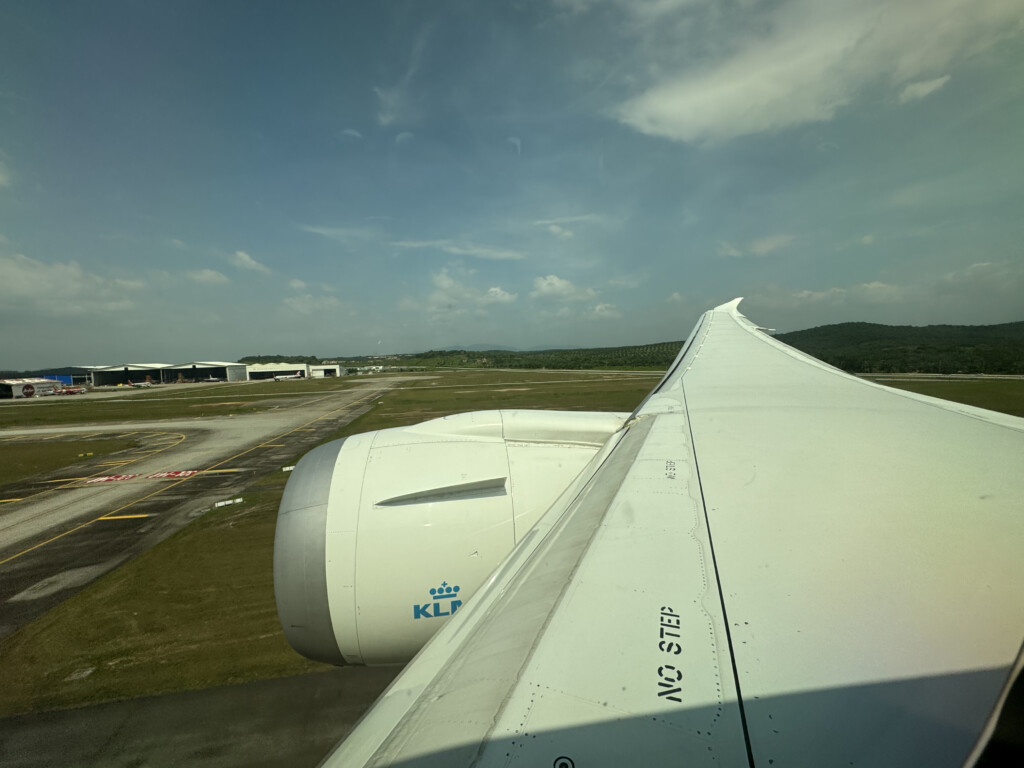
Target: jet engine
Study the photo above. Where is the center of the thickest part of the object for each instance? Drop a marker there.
(383, 535)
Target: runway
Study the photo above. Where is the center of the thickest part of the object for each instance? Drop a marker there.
(67, 530)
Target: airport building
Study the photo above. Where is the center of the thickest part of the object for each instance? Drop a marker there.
(135, 374)
(261, 371)
(326, 371)
(204, 371)
(19, 388)
(128, 373)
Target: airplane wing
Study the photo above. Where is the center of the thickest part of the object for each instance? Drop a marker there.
(771, 563)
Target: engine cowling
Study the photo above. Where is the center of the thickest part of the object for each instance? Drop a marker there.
(381, 536)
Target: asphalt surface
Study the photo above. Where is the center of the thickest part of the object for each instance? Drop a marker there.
(68, 529)
(287, 723)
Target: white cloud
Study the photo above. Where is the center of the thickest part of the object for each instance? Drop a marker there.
(605, 312)
(516, 142)
(560, 232)
(297, 285)
(462, 248)
(129, 284)
(994, 288)
(558, 289)
(5, 175)
(496, 295)
(404, 137)
(207, 277)
(920, 89)
(803, 60)
(453, 297)
(307, 304)
(568, 219)
(398, 103)
(627, 281)
(351, 133)
(762, 246)
(61, 288)
(675, 298)
(243, 260)
(765, 245)
(345, 235)
(867, 240)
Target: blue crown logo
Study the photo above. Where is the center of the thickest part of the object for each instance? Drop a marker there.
(444, 591)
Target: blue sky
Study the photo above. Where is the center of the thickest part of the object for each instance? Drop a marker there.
(196, 180)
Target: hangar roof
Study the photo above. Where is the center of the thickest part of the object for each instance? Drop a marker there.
(205, 364)
(134, 367)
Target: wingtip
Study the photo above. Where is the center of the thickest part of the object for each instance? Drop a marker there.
(730, 306)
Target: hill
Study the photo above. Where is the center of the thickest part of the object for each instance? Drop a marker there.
(873, 348)
(647, 356)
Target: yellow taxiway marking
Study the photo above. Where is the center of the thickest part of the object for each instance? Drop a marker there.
(4, 501)
(272, 445)
(180, 439)
(122, 517)
(215, 471)
(168, 486)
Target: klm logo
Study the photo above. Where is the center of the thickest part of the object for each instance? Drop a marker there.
(444, 601)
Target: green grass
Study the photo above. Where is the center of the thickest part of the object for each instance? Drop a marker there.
(172, 401)
(460, 391)
(21, 459)
(1003, 395)
(195, 611)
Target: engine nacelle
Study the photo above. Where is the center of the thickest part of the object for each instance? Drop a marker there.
(381, 536)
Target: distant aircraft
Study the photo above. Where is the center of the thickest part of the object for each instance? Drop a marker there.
(769, 562)
(286, 377)
(140, 384)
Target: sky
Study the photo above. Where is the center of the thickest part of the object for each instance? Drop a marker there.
(188, 181)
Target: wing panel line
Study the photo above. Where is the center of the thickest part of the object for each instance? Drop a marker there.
(721, 594)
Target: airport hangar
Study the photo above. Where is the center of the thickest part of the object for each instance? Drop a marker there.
(198, 371)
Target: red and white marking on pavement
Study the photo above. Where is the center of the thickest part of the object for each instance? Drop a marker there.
(173, 475)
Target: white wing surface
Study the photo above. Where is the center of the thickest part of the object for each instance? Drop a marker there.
(772, 563)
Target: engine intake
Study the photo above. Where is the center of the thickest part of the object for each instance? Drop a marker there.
(382, 536)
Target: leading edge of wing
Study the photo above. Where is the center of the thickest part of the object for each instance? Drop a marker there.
(728, 315)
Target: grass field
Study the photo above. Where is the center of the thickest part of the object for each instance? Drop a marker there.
(172, 401)
(1003, 395)
(198, 610)
(23, 459)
